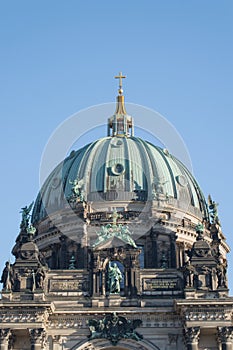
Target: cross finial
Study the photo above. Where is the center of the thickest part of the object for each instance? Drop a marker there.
(120, 77)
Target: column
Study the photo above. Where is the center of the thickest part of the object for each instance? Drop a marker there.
(225, 336)
(57, 342)
(4, 338)
(173, 251)
(38, 338)
(192, 337)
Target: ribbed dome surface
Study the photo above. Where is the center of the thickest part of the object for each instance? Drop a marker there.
(119, 168)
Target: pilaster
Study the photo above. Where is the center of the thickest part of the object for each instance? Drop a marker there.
(225, 336)
(5, 334)
(38, 338)
(192, 337)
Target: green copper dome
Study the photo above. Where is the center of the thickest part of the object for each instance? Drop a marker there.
(120, 169)
(117, 171)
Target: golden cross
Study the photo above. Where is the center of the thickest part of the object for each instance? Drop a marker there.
(120, 77)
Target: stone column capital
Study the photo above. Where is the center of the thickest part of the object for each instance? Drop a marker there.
(37, 336)
(192, 335)
(225, 334)
(4, 334)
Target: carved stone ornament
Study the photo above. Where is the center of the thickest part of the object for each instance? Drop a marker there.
(4, 334)
(111, 231)
(37, 335)
(192, 335)
(114, 328)
(225, 334)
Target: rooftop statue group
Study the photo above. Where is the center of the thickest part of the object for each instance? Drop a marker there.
(10, 276)
(192, 271)
(115, 230)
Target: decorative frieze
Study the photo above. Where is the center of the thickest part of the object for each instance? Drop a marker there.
(208, 315)
(23, 317)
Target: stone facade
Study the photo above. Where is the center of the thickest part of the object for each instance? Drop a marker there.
(119, 269)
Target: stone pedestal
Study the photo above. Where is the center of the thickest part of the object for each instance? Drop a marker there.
(114, 300)
(225, 337)
(192, 337)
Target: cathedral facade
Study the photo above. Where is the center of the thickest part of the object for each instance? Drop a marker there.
(120, 251)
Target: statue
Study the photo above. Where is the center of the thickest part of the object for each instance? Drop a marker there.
(39, 277)
(7, 277)
(114, 278)
(25, 211)
(213, 206)
(190, 274)
(77, 189)
(221, 274)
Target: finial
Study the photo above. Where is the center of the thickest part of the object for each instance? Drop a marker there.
(120, 77)
(120, 123)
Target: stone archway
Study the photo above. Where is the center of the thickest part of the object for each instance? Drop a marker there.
(104, 344)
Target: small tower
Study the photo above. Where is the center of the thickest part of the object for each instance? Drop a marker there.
(120, 124)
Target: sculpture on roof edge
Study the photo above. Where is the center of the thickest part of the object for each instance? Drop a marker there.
(213, 206)
(25, 211)
(7, 278)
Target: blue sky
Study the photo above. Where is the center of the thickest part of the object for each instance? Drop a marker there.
(58, 57)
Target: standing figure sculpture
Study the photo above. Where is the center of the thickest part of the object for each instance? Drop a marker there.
(114, 278)
(213, 206)
(39, 277)
(7, 277)
(25, 211)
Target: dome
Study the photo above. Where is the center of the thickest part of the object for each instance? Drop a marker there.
(120, 169)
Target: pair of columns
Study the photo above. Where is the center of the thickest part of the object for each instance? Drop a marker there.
(224, 336)
(37, 337)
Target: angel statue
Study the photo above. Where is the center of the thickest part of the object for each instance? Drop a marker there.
(213, 206)
(77, 189)
(25, 211)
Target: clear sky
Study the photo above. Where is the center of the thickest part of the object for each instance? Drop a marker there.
(58, 57)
